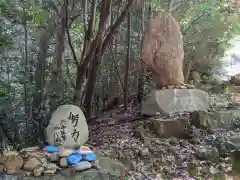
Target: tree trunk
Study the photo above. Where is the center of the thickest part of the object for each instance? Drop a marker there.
(40, 76)
(56, 81)
(102, 44)
(25, 64)
(88, 49)
(127, 64)
(141, 68)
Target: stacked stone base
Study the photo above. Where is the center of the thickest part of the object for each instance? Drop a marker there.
(170, 101)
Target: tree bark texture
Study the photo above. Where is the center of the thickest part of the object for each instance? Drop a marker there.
(101, 44)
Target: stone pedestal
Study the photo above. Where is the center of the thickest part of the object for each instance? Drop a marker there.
(169, 101)
(216, 120)
(165, 128)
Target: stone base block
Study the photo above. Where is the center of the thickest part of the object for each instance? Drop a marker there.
(165, 128)
(233, 89)
(170, 101)
(216, 120)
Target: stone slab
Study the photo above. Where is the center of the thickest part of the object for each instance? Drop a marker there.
(166, 128)
(233, 89)
(170, 101)
(215, 120)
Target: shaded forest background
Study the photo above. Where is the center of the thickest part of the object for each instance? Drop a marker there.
(87, 53)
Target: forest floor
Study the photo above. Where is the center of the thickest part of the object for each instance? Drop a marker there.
(150, 157)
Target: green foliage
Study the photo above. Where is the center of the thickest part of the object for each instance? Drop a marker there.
(207, 30)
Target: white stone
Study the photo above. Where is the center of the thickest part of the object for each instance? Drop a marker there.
(170, 101)
(67, 127)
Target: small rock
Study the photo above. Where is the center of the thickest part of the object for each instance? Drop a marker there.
(144, 152)
(52, 166)
(207, 153)
(83, 165)
(170, 87)
(31, 164)
(152, 149)
(67, 172)
(194, 171)
(139, 132)
(133, 166)
(50, 172)
(194, 141)
(30, 149)
(38, 171)
(11, 162)
(63, 162)
(147, 141)
(54, 157)
(27, 173)
(1, 168)
(173, 141)
(41, 157)
(65, 152)
(95, 164)
(182, 87)
(38, 155)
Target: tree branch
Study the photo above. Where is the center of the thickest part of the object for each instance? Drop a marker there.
(68, 35)
(85, 14)
(192, 23)
(116, 25)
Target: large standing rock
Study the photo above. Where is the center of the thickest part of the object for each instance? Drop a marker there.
(162, 50)
(169, 101)
(67, 127)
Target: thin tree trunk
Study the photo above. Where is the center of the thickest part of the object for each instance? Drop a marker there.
(150, 10)
(85, 58)
(127, 63)
(56, 81)
(40, 78)
(141, 72)
(25, 64)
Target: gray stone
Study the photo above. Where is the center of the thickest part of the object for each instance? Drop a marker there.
(233, 89)
(233, 142)
(95, 164)
(5, 176)
(216, 120)
(165, 128)
(110, 166)
(63, 162)
(170, 101)
(207, 153)
(236, 162)
(54, 157)
(83, 165)
(71, 120)
(144, 153)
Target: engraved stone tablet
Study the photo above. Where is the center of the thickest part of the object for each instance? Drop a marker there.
(67, 127)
